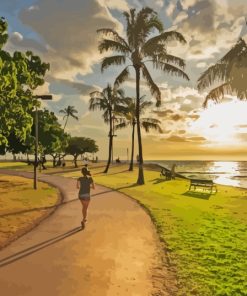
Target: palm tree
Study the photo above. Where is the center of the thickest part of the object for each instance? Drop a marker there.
(70, 111)
(107, 101)
(230, 71)
(139, 49)
(129, 119)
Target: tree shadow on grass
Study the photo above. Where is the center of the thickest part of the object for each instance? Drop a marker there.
(35, 248)
(159, 180)
(198, 194)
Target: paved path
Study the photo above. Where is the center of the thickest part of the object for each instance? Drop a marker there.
(117, 253)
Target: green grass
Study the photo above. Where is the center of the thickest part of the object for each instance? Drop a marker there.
(204, 236)
(21, 206)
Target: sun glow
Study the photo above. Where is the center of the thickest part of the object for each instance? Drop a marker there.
(223, 123)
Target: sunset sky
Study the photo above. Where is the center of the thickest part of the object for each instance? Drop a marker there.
(63, 33)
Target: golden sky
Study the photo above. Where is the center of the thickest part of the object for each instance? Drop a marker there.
(63, 33)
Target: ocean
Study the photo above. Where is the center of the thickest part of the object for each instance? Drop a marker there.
(232, 173)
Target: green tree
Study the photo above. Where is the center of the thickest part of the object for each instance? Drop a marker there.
(20, 74)
(108, 101)
(140, 48)
(80, 145)
(129, 119)
(52, 138)
(69, 111)
(230, 71)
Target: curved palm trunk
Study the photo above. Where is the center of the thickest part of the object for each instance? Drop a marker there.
(140, 180)
(65, 123)
(110, 146)
(132, 148)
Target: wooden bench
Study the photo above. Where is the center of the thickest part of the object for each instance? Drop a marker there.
(205, 184)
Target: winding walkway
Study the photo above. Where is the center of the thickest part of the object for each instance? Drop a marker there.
(118, 252)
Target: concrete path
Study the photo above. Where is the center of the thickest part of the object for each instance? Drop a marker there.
(118, 252)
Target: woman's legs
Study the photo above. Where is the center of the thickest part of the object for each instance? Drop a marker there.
(85, 204)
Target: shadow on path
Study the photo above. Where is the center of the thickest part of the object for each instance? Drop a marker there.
(49, 207)
(35, 248)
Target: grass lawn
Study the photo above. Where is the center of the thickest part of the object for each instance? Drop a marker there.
(21, 207)
(204, 236)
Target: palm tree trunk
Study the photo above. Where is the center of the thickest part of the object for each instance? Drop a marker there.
(65, 123)
(140, 180)
(75, 161)
(110, 145)
(132, 148)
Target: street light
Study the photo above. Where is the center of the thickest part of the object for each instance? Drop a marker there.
(113, 135)
(42, 97)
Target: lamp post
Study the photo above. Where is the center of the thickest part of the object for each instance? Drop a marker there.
(42, 97)
(113, 135)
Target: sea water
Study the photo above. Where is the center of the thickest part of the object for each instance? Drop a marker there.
(232, 173)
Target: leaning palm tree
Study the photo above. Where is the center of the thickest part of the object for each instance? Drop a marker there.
(140, 48)
(107, 101)
(230, 72)
(129, 119)
(69, 111)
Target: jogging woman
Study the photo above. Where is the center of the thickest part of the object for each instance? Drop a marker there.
(84, 183)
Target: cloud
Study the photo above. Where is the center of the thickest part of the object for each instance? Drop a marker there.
(68, 29)
(121, 5)
(176, 139)
(197, 139)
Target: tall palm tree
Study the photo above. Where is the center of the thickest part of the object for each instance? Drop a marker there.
(140, 48)
(69, 111)
(129, 119)
(107, 101)
(230, 71)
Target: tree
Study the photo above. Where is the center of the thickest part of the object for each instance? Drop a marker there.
(108, 101)
(80, 145)
(140, 50)
(129, 119)
(70, 111)
(20, 74)
(230, 71)
(52, 138)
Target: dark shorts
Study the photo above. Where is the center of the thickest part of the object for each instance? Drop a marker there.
(85, 196)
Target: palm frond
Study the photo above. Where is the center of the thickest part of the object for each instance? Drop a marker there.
(144, 105)
(218, 93)
(153, 87)
(74, 116)
(151, 123)
(108, 44)
(122, 125)
(170, 69)
(156, 23)
(62, 111)
(122, 77)
(116, 37)
(163, 39)
(237, 50)
(105, 116)
(217, 72)
(113, 60)
(168, 58)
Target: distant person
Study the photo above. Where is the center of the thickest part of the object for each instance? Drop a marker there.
(63, 163)
(118, 160)
(84, 184)
(96, 159)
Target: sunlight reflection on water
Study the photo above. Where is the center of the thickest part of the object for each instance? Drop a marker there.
(232, 173)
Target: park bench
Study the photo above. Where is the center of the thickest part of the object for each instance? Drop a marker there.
(205, 184)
